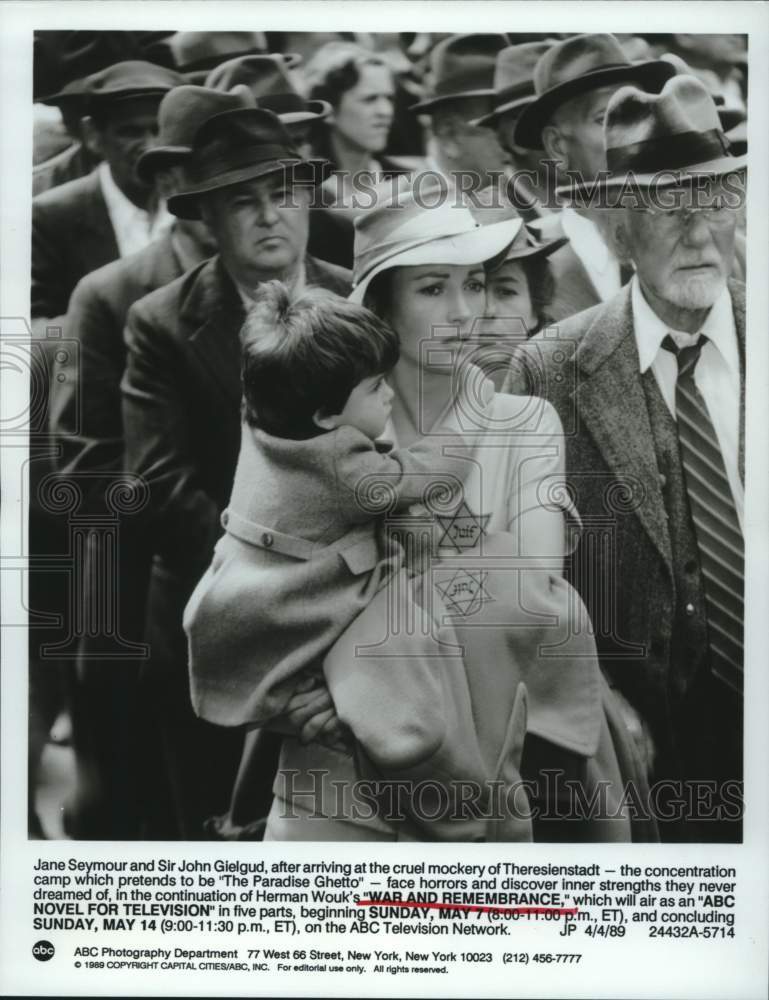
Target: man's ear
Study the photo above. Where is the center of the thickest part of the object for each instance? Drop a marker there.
(326, 421)
(618, 236)
(91, 136)
(555, 145)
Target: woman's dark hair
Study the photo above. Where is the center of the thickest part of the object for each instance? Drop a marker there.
(333, 70)
(378, 295)
(539, 275)
(306, 355)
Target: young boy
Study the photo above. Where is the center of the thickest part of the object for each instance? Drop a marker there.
(304, 551)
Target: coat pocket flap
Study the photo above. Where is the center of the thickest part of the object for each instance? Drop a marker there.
(362, 556)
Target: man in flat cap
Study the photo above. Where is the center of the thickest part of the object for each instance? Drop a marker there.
(650, 388)
(111, 212)
(182, 393)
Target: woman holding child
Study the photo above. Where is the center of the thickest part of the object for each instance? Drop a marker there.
(498, 679)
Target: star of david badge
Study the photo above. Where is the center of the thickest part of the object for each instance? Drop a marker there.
(462, 529)
(465, 592)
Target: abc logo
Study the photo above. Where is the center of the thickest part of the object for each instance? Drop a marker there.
(43, 951)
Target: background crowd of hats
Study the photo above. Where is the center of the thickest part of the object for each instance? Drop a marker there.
(428, 69)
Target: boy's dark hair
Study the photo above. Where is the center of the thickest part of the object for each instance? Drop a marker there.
(306, 355)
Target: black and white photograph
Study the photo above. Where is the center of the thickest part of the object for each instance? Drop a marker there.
(384, 479)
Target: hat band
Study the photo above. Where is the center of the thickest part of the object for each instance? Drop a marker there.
(281, 104)
(670, 152)
(514, 91)
(203, 168)
(461, 83)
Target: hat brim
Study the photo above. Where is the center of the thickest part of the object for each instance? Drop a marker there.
(476, 246)
(492, 118)
(315, 111)
(434, 102)
(543, 250)
(185, 204)
(159, 158)
(712, 168)
(528, 131)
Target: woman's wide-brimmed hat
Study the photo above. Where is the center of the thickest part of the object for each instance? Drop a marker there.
(266, 76)
(237, 146)
(461, 66)
(182, 112)
(576, 66)
(422, 224)
(661, 139)
(489, 208)
(513, 80)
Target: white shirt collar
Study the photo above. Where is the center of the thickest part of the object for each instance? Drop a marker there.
(134, 228)
(650, 330)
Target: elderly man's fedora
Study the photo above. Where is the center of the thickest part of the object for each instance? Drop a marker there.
(236, 146)
(513, 80)
(120, 81)
(662, 139)
(576, 66)
(461, 66)
(182, 112)
(423, 224)
(266, 76)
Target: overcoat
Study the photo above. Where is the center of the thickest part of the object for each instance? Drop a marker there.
(646, 608)
(181, 414)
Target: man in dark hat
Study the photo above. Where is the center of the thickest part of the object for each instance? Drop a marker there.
(63, 60)
(460, 90)
(573, 82)
(86, 418)
(111, 212)
(182, 393)
(650, 389)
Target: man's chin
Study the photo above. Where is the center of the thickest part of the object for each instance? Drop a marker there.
(698, 290)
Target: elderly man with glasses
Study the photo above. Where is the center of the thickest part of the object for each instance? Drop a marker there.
(650, 389)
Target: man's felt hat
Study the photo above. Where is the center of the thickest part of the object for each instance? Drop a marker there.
(663, 138)
(71, 56)
(237, 146)
(461, 66)
(422, 224)
(513, 80)
(182, 112)
(118, 82)
(576, 66)
(266, 76)
(199, 51)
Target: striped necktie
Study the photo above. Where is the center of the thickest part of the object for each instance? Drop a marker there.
(719, 537)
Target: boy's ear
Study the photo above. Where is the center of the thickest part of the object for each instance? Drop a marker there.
(328, 421)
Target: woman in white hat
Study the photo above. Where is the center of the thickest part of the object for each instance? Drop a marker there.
(494, 585)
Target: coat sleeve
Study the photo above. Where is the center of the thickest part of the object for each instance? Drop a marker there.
(372, 482)
(85, 412)
(184, 518)
(50, 289)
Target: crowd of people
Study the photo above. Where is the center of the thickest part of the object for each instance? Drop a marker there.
(344, 331)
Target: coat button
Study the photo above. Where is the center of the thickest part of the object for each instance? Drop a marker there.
(690, 609)
(267, 540)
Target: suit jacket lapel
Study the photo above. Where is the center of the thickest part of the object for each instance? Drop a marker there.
(610, 400)
(100, 245)
(214, 314)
